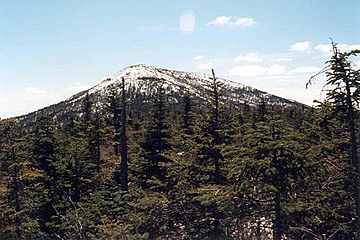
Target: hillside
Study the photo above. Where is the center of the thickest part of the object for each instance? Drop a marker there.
(177, 155)
(141, 81)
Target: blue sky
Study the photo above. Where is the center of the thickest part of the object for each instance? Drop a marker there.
(50, 50)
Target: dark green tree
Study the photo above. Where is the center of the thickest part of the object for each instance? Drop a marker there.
(45, 151)
(124, 155)
(156, 141)
(18, 185)
(324, 205)
(187, 115)
(212, 131)
(267, 168)
(344, 95)
(207, 168)
(114, 108)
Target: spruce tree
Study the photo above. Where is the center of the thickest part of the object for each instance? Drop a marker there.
(212, 152)
(324, 205)
(45, 150)
(114, 108)
(87, 165)
(124, 155)
(344, 95)
(187, 117)
(156, 141)
(18, 185)
(208, 165)
(267, 168)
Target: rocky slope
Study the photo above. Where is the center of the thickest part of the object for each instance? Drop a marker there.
(140, 83)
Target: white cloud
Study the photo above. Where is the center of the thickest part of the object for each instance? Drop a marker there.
(204, 66)
(305, 69)
(251, 58)
(198, 57)
(231, 21)
(327, 48)
(300, 46)
(245, 21)
(35, 90)
(256, 70)
(283, 59)
(187, 22)
(220, 21)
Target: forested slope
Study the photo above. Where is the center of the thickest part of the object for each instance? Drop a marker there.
(205, 167)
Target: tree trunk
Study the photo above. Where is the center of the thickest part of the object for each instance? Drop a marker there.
(14, 187)
(277, 221)
(98, 143)
(216, 156)
(16, 193)
(354, 158)
(216, 231)
(124, 163)
(277, 231)
(253, 119)
(76, 197)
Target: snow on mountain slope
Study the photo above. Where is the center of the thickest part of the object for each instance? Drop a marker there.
(142, 79)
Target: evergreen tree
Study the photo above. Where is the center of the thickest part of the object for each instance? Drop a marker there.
(207, 168)
(229, 171)
(17, 198)
(262, 111)
(45, 151)
(213, 131)
(91, 130)
(345, 98)
(97, 140)
(155, 142)
(187, 117)
(114, 108)
(324, 205)
(267, 169)
(117, 109)
(85, 152)
(124, 156)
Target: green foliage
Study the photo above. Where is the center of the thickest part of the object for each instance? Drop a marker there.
(198, 168)
(18, 185)
(154, 145)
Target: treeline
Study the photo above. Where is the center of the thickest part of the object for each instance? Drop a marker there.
(198, 169)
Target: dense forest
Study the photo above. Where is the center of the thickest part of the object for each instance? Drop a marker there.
(196, 169)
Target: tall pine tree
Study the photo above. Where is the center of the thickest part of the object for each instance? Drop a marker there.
(344, 95)
(156, 142)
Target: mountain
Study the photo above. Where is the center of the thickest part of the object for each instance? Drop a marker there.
(141, 81)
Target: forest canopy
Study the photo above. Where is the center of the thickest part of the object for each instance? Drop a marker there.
(196, 169)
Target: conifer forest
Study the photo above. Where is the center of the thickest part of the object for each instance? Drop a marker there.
(188, 168)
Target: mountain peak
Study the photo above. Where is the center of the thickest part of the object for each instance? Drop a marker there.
(141, 65)
(141, 81)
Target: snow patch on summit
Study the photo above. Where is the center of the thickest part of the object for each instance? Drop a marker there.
(141, 81)
(142, 78)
